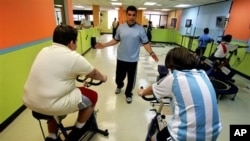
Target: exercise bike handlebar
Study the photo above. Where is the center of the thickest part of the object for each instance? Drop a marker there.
(88, 83)
(147, 98)
(153, 98)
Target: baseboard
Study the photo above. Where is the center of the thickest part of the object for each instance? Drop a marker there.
(86, 51)
(4, 124)
(105, 33)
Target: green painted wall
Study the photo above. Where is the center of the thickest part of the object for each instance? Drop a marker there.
(238, 62)
(15, 68)
(84, 39)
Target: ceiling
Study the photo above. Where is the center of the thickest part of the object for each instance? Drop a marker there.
(160, 4)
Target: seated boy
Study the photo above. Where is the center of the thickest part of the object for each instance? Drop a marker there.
(50, 88)
(195, 111)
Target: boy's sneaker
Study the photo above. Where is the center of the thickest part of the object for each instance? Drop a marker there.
(77, 133)
(117, 90)
(50, 139)
(129, 99)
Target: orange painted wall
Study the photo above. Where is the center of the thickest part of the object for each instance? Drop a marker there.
(239, 20)
(23, 21)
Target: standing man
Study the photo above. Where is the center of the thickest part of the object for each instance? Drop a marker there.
(85, 23)
(115, 25)
(149, 31)
(130, 35)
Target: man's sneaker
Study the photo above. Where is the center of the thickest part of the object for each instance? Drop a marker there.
(117, 90)
(77, 133)
(129, 99)
(50, 139)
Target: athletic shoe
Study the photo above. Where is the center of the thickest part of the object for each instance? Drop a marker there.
(129, 99)
(50, 139)
(77, 133)
(117, 90)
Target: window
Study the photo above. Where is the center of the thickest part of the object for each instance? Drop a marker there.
(158, 21)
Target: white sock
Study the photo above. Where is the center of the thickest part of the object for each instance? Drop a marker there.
(80, 125)
(52, 135)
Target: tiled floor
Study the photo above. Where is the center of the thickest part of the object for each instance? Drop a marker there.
(128, 122)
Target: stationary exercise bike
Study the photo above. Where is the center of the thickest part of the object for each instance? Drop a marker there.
(159, 120)
(220, 74)
(92, 128)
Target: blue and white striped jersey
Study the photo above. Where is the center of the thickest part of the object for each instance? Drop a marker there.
(195, 111)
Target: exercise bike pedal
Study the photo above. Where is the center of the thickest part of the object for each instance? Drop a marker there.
(93, 128)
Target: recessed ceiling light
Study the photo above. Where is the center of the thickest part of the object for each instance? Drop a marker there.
(150, 3)
(182, 5)
(116, 3)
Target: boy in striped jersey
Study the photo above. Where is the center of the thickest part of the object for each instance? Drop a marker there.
(195, 111)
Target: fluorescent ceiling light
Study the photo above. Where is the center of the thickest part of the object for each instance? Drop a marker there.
(182, 5)
(142, 8)
(78, 6)
(116, 3)
(165, 9)
(114, 0)
(58, 5)
(150, 3)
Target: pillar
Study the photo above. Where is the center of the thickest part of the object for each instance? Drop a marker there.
(96, 15)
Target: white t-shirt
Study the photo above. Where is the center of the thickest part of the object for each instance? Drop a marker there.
(50, 88)
(86, 23)
(219, 53)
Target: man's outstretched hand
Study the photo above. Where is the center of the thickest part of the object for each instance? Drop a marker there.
(99, 46)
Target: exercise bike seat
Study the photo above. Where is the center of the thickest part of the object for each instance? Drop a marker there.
(163, 71)
(41, 116)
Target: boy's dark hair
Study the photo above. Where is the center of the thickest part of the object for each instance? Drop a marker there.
(64, 34)
(206, 30)
(131, 8)
(227, 38)
(180, 58)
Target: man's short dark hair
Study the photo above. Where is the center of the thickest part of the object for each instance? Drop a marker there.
(64, 34)
(206, 30)
(227, 38)
(131, 8)
(180, 58)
